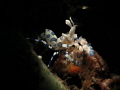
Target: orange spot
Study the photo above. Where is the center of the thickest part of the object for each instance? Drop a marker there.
(72, 69)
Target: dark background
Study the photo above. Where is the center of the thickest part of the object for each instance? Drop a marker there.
(98, 24)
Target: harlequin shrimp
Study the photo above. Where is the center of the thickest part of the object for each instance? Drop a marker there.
(77, 62)
(74, 47)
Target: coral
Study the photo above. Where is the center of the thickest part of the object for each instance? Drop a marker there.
(93, 72)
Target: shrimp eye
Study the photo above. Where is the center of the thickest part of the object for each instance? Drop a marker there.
(73, 45)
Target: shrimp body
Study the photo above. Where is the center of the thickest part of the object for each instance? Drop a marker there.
(67, 41)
